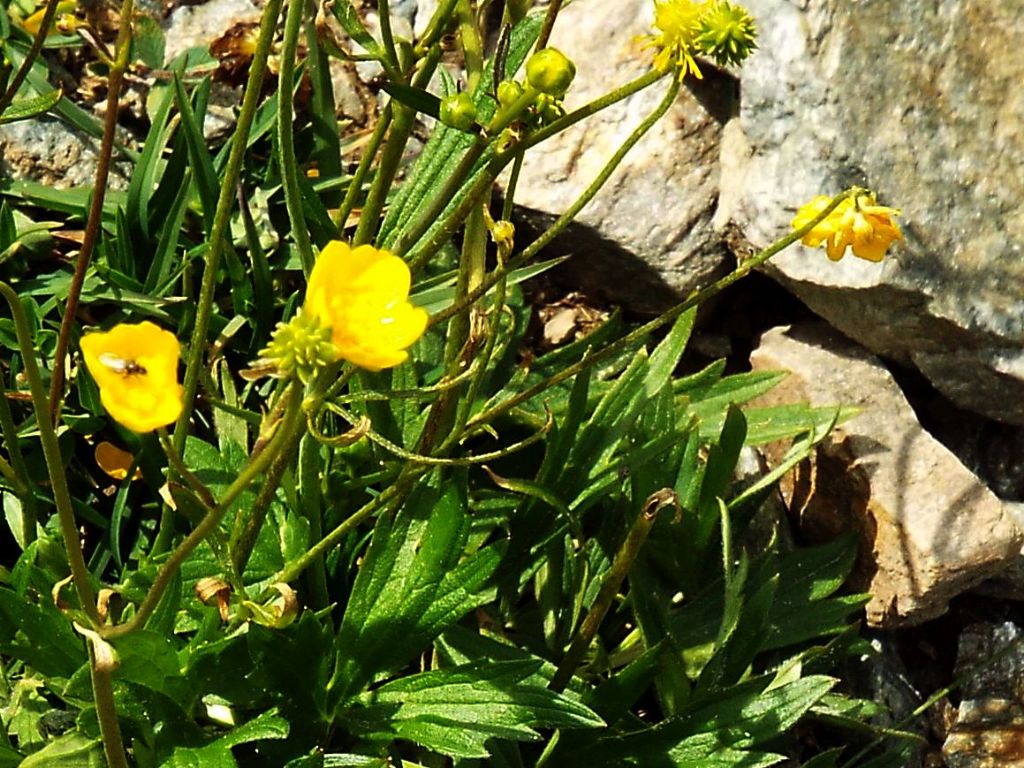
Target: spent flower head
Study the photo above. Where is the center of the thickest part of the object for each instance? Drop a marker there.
(727, 34)
(858, 222)
(136, 369)
(300, 347)
(362, 295)
(686, 28)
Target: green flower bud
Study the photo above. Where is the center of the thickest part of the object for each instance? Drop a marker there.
(300, 347)
(550, 71)
(509, 92)
(726, 34)
(458, 111)
(548, 109)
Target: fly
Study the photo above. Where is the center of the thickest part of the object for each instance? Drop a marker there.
(122, 365)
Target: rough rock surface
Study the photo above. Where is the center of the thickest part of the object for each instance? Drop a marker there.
(929, 528)
(986, 733)
(920, 101)
(49, 151)
(657, 208)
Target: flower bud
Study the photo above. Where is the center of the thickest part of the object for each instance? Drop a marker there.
(550, 71)
(458, 111)
(509, 92)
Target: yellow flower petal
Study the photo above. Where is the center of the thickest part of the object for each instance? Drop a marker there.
(136, 369)
(858, 223)
(362, 295)
(115, 461)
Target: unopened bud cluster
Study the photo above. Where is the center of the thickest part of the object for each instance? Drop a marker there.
(549, 73)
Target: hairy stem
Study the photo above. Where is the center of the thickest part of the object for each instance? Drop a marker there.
(621, 566)
(95, 220)
(222, 217)
(54, 460)
(285, 133)
(284, 434)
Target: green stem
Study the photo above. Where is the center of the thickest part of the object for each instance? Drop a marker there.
(390, 158)
(419, 255)
(621, 566)
(448, 191)
(566, 218)
(20, 479)
(246, 529)
(204, 494)
(284, 434)
(549, 24)
(610, 167)
(286, 135)
(631, 338)
(95, 220)
(355, 185)
(394, 491)
(222, 217)
(106, 707)
(592, 108)
(513, 181)
(386, 35)
(311, 508)
(472, 45)
(54, 460)
(436, 27)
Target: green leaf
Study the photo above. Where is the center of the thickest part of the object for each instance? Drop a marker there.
(148, 41)
(39, 635)
(72, 750)
(738, 718)
(150, 659)
(807, 577)
(217, 754)
(353, 25)
(414, 584)
(9, 758)
(24, 109)
(416, 98)
(704, 751)
(711, 406)
(201, 162)
(456, 710)
(146, 171)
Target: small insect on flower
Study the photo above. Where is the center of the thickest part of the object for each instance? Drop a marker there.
(121, 365)
(136, 370)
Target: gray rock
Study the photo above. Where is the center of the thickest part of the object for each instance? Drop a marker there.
(921, 102)
(51, 152)
(657, 208)
(929, 528)
(986, 733)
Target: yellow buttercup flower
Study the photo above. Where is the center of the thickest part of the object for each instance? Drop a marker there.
(136, 369)
(362, 295)
(857, 222)
(679, 25)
